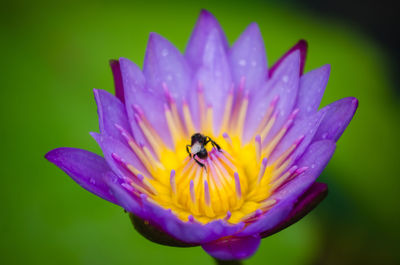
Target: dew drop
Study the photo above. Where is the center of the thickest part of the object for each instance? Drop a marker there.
(285, 78)
(92, 181)
(242, 62)
(164, 52)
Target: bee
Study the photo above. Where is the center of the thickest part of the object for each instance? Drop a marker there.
(198, 147)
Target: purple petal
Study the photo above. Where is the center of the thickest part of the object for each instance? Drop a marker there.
(165, 220)
(308, 201)
(282, 85)
(270, 219)
(206, 24)
(301, 46)
(87, 169)
(154, 234)
(338, 116)
(112, 148)
(164, 64)
(118, 84)
(311, 90)
(134, 81)
(132, 77)
(126, 200)
(248, 59)
(153, 110)
(215, 77)
(315, 159)
(151, 104)
(302, 131)
(233, 248)
(111, 112)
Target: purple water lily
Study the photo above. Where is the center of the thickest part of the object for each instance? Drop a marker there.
(212, 148)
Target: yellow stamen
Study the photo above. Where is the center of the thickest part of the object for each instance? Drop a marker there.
(242, 116)
(227, 112)
(188, 119)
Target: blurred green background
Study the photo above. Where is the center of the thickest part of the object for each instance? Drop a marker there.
(54, 53)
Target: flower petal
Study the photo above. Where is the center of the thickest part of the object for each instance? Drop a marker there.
(315, 158)
(111, 112)
(300, 46)
(248, 59)
(153, 109)
(165, 220)
(338, 116)
(233, 248)
(133, 80)
(118, 84)
(301, 133)
(149, 103)
(308, 201)
(112, 147)
(87, 169)
(165, 65)
(311, 90)
(206, 23)
(156, 235)
(214, 76)
(283, 85)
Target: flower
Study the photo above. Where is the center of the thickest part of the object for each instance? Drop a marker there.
(266, 141)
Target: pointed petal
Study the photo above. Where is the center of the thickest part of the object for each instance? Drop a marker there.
(307, 202)
(118, 84)
(87, 169)
(111, 112)
(315, 158)
(215, 77)
(311, 90)
(111, 147)
(164, 64)
(338, 116)
(301, 46)
(233, 248)
(150, 103)
(133, 80)
(305, 128)
(282, 85)
(248, 59)
(132, 77)
(126, 200)
(206, 24)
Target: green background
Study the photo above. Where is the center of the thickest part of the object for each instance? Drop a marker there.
(54, 53)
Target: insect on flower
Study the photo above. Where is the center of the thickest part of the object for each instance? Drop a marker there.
(198, 147)
(269, 141)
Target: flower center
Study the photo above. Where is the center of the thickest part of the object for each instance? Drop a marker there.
(196, 180)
